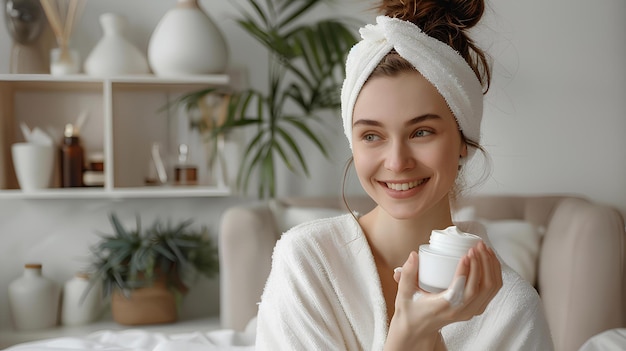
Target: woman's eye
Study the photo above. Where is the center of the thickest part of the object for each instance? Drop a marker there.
(422, 133)
(371, 137)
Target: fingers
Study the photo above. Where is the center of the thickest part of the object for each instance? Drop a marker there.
(493, 275)
(484, 281)
(407, 282)
(475, 275)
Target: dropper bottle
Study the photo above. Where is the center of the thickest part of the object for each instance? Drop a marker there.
(185, 173)
(72, 158)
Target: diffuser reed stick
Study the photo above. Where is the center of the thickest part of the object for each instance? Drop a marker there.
(62, 16)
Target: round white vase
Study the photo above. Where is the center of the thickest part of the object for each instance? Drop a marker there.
(80, 306)
(187, 42)
(114, 54)
(34, 300)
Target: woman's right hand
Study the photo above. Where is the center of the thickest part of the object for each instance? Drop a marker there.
(419, 315)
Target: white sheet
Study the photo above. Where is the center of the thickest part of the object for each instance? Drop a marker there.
(141, 340)
(609, 340)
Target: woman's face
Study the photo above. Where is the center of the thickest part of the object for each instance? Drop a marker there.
(406, 144)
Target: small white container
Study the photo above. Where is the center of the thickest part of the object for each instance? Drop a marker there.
(34, 300)
(64, 64)
(439, 259)
(33, 164)
(78, 307)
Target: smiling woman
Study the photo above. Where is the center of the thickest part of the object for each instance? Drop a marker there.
(401, 157)
(412, 104)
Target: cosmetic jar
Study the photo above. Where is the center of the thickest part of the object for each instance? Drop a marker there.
(439, 258)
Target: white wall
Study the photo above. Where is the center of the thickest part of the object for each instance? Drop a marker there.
(554, 121)
(556, 116)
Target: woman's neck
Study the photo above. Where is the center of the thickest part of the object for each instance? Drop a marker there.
(391, 239)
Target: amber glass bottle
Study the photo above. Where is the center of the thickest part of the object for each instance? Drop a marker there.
(72, 158)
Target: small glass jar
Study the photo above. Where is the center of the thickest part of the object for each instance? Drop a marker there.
(64, 61)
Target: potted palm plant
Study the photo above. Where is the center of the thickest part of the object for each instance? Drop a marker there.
(306, 69)
(146, 272)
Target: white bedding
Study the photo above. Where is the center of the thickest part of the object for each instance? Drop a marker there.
(141, 340)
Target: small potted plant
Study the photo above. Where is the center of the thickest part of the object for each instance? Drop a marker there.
(146, 272)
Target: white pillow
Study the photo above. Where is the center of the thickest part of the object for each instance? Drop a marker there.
(288, 217)
(517, 242)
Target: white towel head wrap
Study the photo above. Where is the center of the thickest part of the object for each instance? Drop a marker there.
(439, 63)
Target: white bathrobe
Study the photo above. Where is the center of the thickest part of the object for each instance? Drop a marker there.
(324, 293)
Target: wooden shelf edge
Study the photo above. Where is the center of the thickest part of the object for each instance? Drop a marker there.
(134, 192)
(141, 79)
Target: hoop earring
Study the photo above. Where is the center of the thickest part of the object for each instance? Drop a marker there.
(462, 161)
(343, 187)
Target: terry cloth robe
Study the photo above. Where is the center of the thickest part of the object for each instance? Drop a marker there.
(324, 293)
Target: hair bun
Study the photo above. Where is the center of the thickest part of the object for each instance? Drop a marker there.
(446, 21)
(467, 13)
(457, 14)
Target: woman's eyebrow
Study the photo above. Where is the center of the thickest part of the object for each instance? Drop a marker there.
(412, 121)
(422, 118)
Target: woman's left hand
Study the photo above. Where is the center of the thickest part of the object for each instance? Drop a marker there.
(477, 280)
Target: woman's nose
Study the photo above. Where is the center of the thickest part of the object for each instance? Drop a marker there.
(398, 157)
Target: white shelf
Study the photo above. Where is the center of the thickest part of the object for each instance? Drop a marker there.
(11, 337)
(98, 193)
(124, 122)
(211, 79)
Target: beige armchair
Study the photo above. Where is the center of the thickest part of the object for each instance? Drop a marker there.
(581, 269)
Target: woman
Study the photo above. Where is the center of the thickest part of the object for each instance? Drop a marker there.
(412, 106)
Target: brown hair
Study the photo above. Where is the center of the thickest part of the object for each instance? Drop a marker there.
(445, 20)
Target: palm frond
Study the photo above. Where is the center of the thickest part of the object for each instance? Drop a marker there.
(306, 68)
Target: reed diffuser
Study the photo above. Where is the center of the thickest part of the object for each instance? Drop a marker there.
(62, 16)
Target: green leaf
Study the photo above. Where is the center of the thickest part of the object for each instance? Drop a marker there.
(295, 149)
(298, 12)
(307, 132)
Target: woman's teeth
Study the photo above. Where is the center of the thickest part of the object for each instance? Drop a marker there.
(406, 186)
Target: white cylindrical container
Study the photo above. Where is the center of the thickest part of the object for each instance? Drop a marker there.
(34, 165)
(80, 306)
(187, 42)
(114, 54)
(33, 300)
(439, 259)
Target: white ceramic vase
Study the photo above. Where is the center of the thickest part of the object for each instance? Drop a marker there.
(80, 306)
(187, 42)
(114, 54)
(34, 300)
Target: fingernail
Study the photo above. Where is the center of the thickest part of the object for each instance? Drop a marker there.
(397, 270)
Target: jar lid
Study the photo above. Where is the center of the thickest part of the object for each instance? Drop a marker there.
(33, 265)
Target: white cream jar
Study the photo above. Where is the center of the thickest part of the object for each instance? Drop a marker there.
(438, 259)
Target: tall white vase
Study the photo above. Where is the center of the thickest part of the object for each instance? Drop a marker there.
(187, 42)
(34, 300)
(114, 54)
